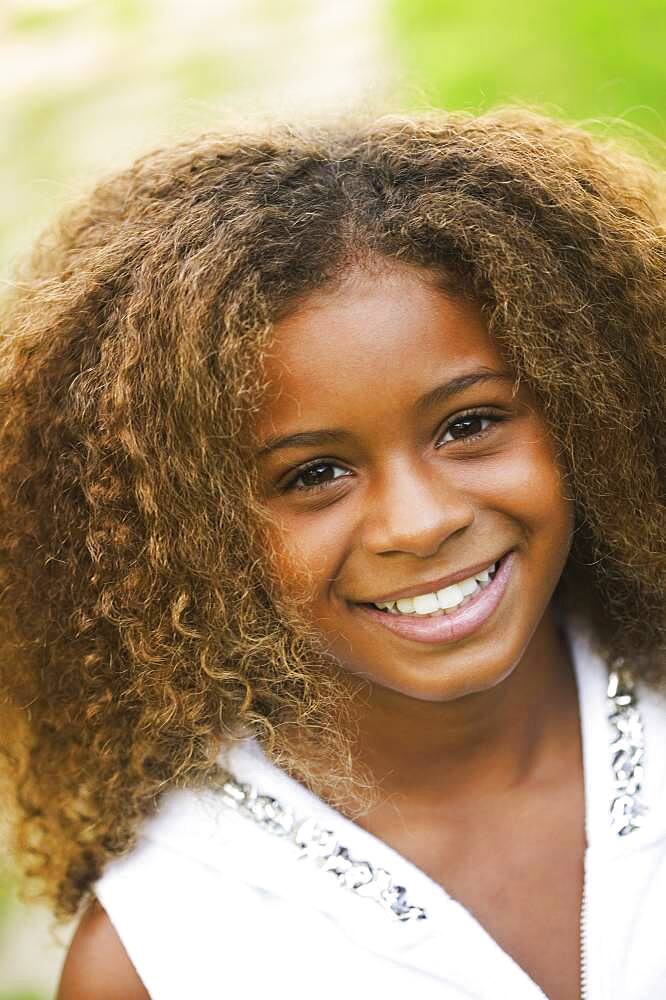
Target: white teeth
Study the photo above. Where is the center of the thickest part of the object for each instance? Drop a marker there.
(425, 604)
(449, 597)
(484, 575)
(405, 604)
(444, 600)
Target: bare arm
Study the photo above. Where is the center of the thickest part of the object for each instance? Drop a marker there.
(97, 966)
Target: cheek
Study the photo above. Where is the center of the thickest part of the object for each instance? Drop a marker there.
(307, 551)
(533, 488)
(525, 483)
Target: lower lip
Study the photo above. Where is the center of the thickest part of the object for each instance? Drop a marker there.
(454, 625)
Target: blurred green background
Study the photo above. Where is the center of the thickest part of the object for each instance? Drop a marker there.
(578, 58)
(88, 84)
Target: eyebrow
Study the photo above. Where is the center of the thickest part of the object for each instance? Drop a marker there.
(304, 438)
(434, 397)
(441, 393)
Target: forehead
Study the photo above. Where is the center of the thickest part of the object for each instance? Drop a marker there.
(375, 338)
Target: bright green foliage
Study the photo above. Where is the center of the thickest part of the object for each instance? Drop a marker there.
(579, 58)
(21, 996)
(93, 83)
(6, 899)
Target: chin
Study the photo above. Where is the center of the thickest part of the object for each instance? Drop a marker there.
(448, 685)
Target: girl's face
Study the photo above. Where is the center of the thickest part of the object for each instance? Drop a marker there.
(415, 463)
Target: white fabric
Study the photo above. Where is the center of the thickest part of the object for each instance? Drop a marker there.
(209, 905)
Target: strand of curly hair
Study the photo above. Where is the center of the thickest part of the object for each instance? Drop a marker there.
(142, 622)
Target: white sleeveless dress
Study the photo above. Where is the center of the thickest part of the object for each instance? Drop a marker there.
(211, 905)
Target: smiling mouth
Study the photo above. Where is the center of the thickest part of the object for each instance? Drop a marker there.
(447, 625)
(445, 601)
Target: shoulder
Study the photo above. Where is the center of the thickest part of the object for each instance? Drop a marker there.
(97, 966)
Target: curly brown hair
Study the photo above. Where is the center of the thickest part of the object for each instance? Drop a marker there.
(142, 621)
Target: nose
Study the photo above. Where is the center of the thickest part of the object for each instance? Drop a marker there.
(415, 509)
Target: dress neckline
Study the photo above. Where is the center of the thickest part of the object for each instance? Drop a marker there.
(248, 762)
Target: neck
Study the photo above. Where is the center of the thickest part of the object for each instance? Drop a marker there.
(485, 742)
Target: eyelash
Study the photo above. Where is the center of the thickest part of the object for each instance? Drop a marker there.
(470, 414)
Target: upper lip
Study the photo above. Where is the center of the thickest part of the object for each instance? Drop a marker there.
(431, 586)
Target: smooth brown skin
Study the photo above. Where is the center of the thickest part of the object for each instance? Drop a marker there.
(476, 742)
(97, 966)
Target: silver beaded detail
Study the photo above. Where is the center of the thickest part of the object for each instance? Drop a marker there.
(627, 749)
(320, 845)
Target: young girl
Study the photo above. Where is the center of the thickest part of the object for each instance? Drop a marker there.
(332, 566)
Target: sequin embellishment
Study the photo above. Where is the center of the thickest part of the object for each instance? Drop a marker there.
(627, 749)
(319, 845)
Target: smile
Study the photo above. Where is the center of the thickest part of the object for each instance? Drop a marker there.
(441, 600)
(464, 607)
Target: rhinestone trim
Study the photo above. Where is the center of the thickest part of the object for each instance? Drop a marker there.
(319, 845)
(627, 749)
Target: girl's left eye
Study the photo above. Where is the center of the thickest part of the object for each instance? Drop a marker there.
(469, 426)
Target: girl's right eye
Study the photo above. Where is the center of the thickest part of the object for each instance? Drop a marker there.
(305, 473)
